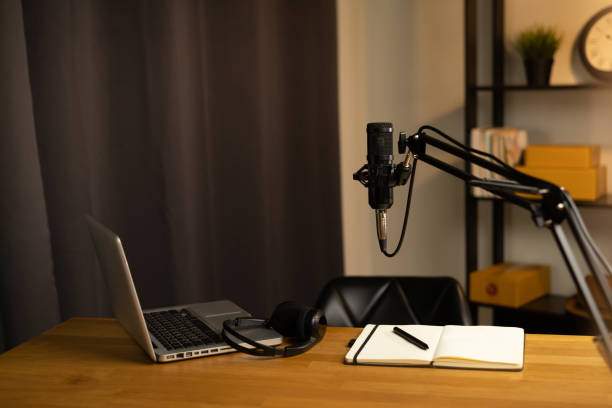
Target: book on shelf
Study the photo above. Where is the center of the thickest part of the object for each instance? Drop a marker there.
(473, 347)
(507, 144)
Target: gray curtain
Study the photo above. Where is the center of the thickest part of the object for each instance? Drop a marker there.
(203, 132)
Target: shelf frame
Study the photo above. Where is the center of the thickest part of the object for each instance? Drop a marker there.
(498, 117)
(471, 121)
(471, 110)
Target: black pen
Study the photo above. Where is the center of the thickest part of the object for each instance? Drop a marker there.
(410, 338)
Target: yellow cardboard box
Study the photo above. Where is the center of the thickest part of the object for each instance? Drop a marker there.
(583, 184)
(562, 156)
(509, 284)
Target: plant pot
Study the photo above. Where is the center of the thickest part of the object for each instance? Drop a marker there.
(538, 71)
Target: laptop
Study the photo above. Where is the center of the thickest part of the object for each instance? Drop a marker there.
(169, 333)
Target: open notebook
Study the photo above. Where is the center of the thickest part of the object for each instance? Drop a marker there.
(483, 347)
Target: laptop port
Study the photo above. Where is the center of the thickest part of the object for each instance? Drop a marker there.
(180, 355)
(214, 350)
(170, 357)
(195, 353)
(204, 351)
(188, 354)
(225, 348)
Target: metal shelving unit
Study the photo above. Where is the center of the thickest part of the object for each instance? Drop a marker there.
(549, 306)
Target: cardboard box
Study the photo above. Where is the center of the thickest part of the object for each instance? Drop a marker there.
(563, 156)
(509, 284)
(583, 184)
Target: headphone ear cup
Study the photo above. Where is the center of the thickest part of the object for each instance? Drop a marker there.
(292, 319)
(304, 323)
(284, 318)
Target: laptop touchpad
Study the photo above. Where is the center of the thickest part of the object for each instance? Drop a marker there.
(216, 321)
(214, 313)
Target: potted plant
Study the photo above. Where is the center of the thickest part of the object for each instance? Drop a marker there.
(537, 46)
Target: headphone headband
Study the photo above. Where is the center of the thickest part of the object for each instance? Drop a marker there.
(258, 348)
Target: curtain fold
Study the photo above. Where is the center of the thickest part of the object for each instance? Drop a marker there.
(204, 133)
(28, 296)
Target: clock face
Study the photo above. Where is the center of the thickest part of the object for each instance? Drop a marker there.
(596, 47)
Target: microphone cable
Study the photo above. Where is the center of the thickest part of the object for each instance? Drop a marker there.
(406, 213)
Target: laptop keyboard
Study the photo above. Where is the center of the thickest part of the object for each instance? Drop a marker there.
(180, 329)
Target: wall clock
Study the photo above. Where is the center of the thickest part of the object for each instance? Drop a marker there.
(596, 45)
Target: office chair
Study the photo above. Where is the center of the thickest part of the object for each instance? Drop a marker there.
(355, 301)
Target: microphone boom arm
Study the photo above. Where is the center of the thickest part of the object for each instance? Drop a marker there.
(555, 206)
(543, 213)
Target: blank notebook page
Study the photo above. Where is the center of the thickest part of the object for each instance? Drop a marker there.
(389, 348)
(502, 345)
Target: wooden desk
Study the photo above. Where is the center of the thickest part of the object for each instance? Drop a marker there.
(93, 363)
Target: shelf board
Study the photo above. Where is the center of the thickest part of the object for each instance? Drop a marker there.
(603, 201)
(556, 87)
(546, 315)
(548, 304)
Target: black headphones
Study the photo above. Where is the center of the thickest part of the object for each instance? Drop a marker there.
(305, 324)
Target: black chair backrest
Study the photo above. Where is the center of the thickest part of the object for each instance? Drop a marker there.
(355, 301)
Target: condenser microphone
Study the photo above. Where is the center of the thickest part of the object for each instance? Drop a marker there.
(380, 170)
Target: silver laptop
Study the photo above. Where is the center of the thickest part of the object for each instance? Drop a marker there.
(169, 333)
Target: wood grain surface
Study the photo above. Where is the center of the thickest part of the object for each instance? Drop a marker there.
(94, 363)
